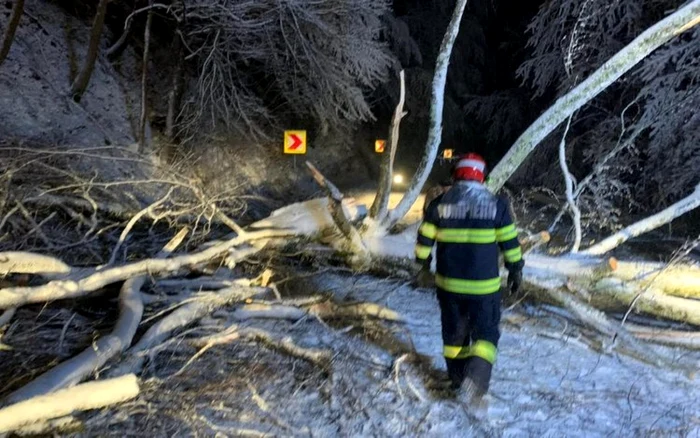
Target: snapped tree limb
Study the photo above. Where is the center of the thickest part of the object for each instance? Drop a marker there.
(83, 365)
(653, 222)
(92, 395)
(94, 280)
(380, 206)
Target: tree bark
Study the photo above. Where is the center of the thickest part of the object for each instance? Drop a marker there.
(81, 82)
(663, 217)
(616, 295)
(380, 206)
(437, 103)
(683, 19)
(20, 262)
(9, 36)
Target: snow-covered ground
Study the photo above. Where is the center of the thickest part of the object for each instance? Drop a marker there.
(384, 381)
(387, 379)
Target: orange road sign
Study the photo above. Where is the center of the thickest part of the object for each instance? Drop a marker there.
(447, 153)
(295, 142)
(379, 146)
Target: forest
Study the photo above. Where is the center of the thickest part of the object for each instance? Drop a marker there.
(166, 269)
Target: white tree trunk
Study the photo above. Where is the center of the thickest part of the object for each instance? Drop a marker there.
(569, 183)
(663, 217)
(93, 358)
(92, 395)
(380, 206)
(437, 104)
(61, 289)
(194, 310)
(685, 18)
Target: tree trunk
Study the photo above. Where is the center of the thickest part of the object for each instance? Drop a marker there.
(663, 217)
(85, 364)
(615, 295)
(437, 103)
(9, 36)
(176, 90)
(685, 18)
(81, 82)
(569, 183)
(75, 287)
(143, 140)
(380, 205)
(92, 395)
(353, 244)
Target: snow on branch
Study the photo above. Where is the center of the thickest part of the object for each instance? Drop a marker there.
(683, 19)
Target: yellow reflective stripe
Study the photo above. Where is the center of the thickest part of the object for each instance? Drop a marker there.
(513, 255)
(422, 251)
(471, 287)
(428, 230)
(506, 233)
(466, 235)
(455, 352)
(485, 350)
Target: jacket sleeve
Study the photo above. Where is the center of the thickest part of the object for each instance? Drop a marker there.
(427, 233)
(507, 238)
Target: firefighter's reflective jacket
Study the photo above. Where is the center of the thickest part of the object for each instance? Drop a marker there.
(469, 225)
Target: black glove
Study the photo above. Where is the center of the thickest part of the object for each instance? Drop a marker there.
(425, 277)
(515, 279)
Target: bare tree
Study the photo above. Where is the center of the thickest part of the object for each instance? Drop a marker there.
(642, 125)
(9, 36)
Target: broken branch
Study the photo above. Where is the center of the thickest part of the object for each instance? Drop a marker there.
(92, 395)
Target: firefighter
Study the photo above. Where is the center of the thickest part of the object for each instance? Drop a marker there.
(469, 225)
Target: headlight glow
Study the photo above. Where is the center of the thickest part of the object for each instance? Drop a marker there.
(398, 179)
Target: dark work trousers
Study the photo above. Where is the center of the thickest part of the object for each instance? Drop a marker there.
(467, 319)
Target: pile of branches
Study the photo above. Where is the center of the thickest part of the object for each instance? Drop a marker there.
(93, 202)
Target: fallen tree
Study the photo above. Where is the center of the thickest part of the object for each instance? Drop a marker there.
(605, 283)
(585, 283)
(96, 356)
(92, 395)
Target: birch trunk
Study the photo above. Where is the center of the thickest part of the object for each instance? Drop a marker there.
(380, 206)
(663, 217)
(437, 103)
(683, 19)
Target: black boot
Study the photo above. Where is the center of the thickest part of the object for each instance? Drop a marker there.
(477, 376)
(455, 371)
